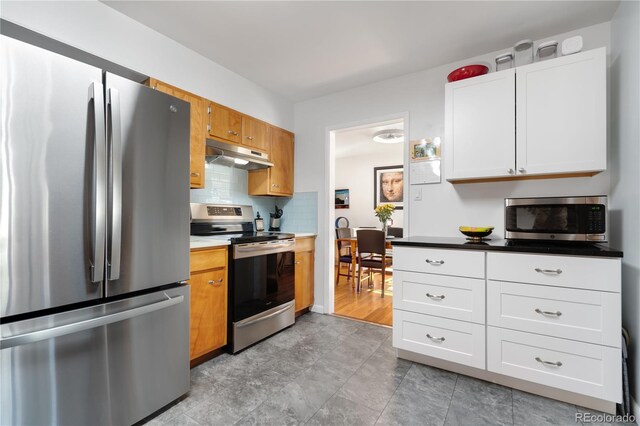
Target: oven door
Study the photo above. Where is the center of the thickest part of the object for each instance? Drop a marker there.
(263, 277)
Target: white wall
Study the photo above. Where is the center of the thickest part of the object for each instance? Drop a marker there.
(98, 29)
(356, 174)
(445, 206)
(625, 176)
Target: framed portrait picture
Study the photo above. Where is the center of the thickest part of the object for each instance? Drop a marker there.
(342, 198)
(388, 186)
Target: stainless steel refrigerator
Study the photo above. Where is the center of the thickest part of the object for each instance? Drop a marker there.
(94, 243)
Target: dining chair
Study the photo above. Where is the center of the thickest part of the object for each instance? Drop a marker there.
(372, 255)
(343, 248)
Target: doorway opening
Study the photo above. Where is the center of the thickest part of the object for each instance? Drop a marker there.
(366, 170)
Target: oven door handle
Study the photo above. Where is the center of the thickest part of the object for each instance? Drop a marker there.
(273, 314)
(265, 246)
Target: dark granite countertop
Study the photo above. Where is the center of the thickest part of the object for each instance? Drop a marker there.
(496, 244)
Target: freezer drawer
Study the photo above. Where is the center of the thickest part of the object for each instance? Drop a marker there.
(111, 364)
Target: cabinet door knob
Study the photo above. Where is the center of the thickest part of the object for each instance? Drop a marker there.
(549, 271)
(231, 132)
(437, 339)
(510, 171)
(548, 313)
(522, 170)
(212, 282)
(250, 138)
(437, 297)
(554, 364)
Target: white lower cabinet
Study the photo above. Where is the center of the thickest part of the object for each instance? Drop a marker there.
(583, 368)
(552, 320)
(569, 313)
(457, 341)
(440, 295)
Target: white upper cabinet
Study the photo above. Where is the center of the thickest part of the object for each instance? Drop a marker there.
(480, 140)
(546, 118)
(561, 115)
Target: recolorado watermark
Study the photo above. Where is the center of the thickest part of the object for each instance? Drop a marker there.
(604, 418)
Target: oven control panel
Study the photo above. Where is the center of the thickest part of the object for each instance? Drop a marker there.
(224, 211)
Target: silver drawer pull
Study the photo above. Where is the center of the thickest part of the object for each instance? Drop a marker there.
(552, 314)
(433, 296)
(216, 281)
(437, 339)
(549, 271)
(231, 132)
(434, 262)
(553, 364)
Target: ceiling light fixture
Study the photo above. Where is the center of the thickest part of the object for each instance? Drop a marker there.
(389, 136)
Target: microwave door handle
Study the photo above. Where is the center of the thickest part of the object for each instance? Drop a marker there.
(100, 182)
(115, 144)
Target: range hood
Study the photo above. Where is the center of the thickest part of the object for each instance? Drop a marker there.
(236, 156)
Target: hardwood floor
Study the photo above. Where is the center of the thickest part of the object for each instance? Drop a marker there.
(368, 305)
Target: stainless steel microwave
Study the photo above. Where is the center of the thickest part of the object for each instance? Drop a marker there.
(557, 219)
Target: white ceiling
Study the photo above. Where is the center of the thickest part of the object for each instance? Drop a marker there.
(307, 49)
(359, 140)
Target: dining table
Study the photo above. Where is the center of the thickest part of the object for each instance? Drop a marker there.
(353, 242)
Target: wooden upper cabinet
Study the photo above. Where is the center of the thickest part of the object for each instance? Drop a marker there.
(282, 158)
(255, 134)
(197, 128)
(276, 180)
(224, 123)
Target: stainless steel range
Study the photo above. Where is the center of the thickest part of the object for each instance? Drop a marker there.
(261, 272)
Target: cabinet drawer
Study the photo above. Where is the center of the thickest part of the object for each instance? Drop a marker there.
(563, 271)
(456, 341)
(440, 295)
(583, 368)
(305, 244)
(584, 315)
(435, 261)
(208, 259)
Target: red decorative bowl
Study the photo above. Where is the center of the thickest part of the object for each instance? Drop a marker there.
(467, 71)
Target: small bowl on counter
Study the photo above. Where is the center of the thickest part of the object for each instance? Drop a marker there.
(476, 233)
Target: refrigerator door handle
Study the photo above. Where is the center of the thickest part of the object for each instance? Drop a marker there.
(115, 190)
(50, 333)
(100, 165)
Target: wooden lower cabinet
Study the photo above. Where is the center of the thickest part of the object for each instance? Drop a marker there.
(208, 320)
(305, 249)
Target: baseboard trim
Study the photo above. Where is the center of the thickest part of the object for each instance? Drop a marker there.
(542, 390)
(319, 309)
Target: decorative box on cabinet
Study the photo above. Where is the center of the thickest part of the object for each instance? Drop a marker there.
(208, 319)
(560, 129)
(197, 127)
(276, 180)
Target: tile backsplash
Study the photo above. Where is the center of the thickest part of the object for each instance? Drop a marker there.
(229, 185)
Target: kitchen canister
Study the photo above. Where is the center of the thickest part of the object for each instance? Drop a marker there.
(504, 61)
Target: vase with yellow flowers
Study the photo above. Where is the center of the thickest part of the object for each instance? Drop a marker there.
(384, 212)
